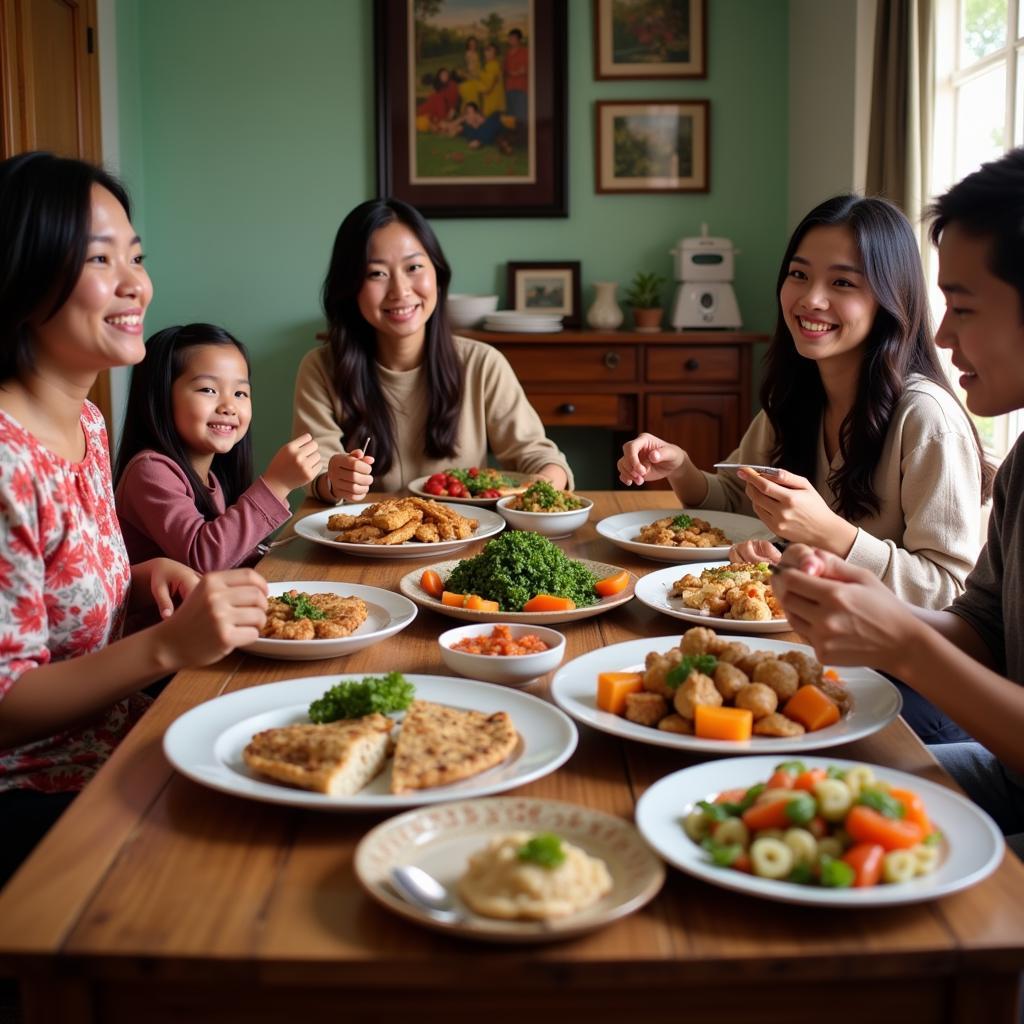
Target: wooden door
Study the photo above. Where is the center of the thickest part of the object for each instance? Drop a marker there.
(49, 81)
(706, 426)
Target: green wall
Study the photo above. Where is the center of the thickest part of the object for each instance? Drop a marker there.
(247, 132)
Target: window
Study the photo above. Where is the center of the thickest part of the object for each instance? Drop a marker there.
(979, 115)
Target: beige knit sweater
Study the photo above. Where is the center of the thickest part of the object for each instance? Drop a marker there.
(926, 536)
(495, 414)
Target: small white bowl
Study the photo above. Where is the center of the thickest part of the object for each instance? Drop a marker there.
(469, 310)
(508, 669)
(548, 524)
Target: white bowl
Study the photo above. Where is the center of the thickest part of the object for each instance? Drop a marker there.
(469, 310)
(548, 524)
(509, 669)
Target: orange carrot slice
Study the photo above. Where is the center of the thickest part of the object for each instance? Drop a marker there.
(614, 687)
(453, 600)
(549, 603)
(612, 584)
(480, 604)
(812, 708)
(722, 723)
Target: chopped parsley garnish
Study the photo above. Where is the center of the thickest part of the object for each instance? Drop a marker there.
(356, 699)
(682, 522)
(544, 849)
(691, 663)
(880, 801)
(302, 607)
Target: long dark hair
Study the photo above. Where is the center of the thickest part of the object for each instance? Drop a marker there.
(149, 415)
(899, 344)
(45, 214)
(352, 342)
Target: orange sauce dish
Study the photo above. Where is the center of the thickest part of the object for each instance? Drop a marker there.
(501, 642)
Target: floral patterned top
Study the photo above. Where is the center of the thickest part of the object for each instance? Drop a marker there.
(64, 579)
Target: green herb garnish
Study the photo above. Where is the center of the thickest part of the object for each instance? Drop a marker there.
(880, 801)
(728, 809)
(357, 699)
(544, 849)
(691, 663)
(801, 809)
(836, 874)
(301, 606)
(832, 772)
(932, 839)
(723, 855)
(542, 496)
(682, 522)
(791, 767)
(484, 479)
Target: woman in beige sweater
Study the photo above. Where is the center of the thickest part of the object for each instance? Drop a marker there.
(392, 370)
(879, 462)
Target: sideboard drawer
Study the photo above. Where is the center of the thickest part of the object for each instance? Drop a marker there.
(562, 410)
(704, 365)
(572, 362)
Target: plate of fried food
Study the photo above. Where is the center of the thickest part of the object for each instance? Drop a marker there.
(369, 743)
(672, 535)
(312, 619)
(733, 596)
(399, 528)
(716, 694)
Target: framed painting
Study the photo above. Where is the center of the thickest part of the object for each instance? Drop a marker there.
(650, 39)
(471, 106)
(546, 287)
(653, 146)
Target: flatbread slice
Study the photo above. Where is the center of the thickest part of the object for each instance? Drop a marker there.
(337, 759)
(438, 745)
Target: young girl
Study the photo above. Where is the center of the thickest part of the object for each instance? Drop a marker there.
(184, 485)
(73, 294)
(392, 370)
(880, 463)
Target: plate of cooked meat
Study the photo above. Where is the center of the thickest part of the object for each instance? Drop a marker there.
(399, 528)
(312, 619)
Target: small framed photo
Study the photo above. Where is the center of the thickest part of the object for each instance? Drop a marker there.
(652, 146)
(650, 39)
(546, 287)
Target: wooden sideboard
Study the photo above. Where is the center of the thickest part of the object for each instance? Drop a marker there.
(692, 387)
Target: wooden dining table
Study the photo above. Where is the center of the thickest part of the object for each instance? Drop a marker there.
(157, 899)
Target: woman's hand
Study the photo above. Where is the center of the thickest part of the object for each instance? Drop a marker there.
(224, 611)
(295, 464)
(169, 579)
(649, 458)
(791, 508)
(350, 475)
(755, 551)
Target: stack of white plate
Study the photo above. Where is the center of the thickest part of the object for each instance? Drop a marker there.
(519, 322)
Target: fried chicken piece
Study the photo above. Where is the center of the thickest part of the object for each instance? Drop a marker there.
(777, 724)
(294, 629)
(402, 534)
(393, 515)
(698, 689)
(361, 535)
(646, 708)
(809, 668)
(698, 640)
(733, 652)
(657, 667)
(677, 724)
(729, 680)
(750, 609)
(780, 675)
(427, 533)
(758, 699)
(341, 521)
(750, 661)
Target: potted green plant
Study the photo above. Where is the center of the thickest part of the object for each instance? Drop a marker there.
(644, 295)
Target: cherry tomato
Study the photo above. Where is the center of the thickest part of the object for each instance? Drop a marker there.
(456, 490)
(434, 487)
(474, 471)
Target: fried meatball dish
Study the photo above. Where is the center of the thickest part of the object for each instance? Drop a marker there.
(683, 531)
(738, 590)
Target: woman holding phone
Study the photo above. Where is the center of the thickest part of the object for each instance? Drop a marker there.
(874, 458)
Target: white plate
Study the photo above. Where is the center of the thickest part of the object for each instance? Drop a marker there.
(314, 528)
(524, 316)
(410, 586)
(622, 529)
(387, 613)
(441, 840)
(522, 328)
(654, 589)
(876, 702)
(971, 849)
(206, 743)
(519, 480)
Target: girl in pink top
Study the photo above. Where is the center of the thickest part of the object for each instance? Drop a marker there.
(184, 480)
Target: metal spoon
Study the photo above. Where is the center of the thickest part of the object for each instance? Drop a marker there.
(416, 886)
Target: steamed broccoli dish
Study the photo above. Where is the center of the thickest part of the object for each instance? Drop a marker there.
(514, 567)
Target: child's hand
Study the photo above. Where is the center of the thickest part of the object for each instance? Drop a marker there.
(295, 464)
(350, 475)
(169, 579)
(755, 551)
(648, 458)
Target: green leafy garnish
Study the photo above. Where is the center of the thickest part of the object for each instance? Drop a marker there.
(682, 522)
(734, 810)
(880, 801)
(358, 699)
(544, 849)
(691, 662)
(301, 606)
(801, 809)
(791, 767)
(723, 855)
(836, 874)
(717, 812)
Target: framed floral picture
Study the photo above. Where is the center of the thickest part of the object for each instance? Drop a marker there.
(471, 106)
(652, 146)
(650, 39)
(546, 286)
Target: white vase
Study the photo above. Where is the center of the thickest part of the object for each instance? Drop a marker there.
(604, 314)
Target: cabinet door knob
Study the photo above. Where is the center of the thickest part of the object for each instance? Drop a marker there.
(612, 360)
(691, 364)
(567, 408)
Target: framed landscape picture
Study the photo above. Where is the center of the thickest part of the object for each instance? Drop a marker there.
(652, 146)
(650, 39)
(546, 287)
(471, 106)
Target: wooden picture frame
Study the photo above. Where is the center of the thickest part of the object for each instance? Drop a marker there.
(653, 146)
(549, 286)
(438, 153)
(650, 39)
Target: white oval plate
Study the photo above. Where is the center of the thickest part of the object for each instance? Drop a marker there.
(971, 849)
(654, 589)
(521, 328)
(314, 528)
(876, 702)
(520, 480)
(622, 530)
(206, 743)
(410, 586)
(441, 841)
(387, 613)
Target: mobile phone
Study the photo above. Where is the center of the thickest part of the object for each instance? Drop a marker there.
(765, 470)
